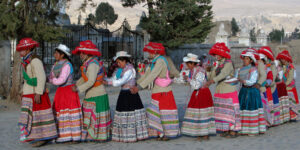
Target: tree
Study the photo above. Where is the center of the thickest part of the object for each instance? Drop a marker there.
(276, 35)
(295, 34)
(105, 14)
(177, 22)
(31, 18)
(253, 35)
(234, 27)
(90, 19)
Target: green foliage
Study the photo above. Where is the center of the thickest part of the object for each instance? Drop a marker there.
(276, 35)
(177, 22)
(234, 27)
(105, 14)
(253, 35)
(30, 18)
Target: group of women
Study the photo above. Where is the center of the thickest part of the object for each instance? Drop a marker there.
(267, 97)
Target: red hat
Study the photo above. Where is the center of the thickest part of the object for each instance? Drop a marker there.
(266, 50)
(285, 55)
(155, 48)
(220, 49)
(87, 47)
(27, 43)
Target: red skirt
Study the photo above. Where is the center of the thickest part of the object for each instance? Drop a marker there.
(68, 114)
(281, 88)
(65, 98)
(201, 99)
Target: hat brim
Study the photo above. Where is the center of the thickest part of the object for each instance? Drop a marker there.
(77, 52)
(251, 56)
(27, 46)
(187, 59)
(67, 53)
(116, 57)
(285, 58)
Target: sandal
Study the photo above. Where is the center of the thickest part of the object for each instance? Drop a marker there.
(205, 138)
(39, 143)
(231, 135)
(224, 134)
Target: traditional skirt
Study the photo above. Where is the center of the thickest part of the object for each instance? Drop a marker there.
(283, 102)
(252, 112)
(67, 110)
(96, 119)
(276, 109)
(268, 106)
(199, 118)
(294, 104)
(163, 116)
(36, 120)
(130, 120)
(227, 112)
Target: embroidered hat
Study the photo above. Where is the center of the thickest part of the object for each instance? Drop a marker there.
(155, 48)
(220, 49)
(27, 43)
(121, 54)
(64, 49)
(87, 47)
(191, 58)
(266, 50)
(248, 54)
(285, 55)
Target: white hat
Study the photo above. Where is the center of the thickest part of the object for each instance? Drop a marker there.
(249, 54)
(64, 49)
(262, 56)
(121, 54)
(276, 63)
(191, 58)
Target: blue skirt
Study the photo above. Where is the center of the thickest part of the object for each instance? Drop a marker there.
(250, 99)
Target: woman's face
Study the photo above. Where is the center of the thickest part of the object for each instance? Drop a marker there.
(247, 61)
(121, 63)
(24, 52)
(83, 56)
(218, 57)
(283, 61)
(58, 56)
(190, 65)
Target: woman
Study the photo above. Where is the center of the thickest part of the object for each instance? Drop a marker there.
(199, 120)
(162, 112)
(36, 121)
(282, 95)
(289, 80)
(130, 121)
(96, 111)
(226, 102)
(252, 113)
(268, 58)
(66, 105)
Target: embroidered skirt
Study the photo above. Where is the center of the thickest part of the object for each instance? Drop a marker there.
(68, 114)
(227, 112)
(130, 120)
(36, 120)
(96, 119)
(252, 112)
(163, 116)
(199, 118)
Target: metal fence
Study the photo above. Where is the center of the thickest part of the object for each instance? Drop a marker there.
(108, 43)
